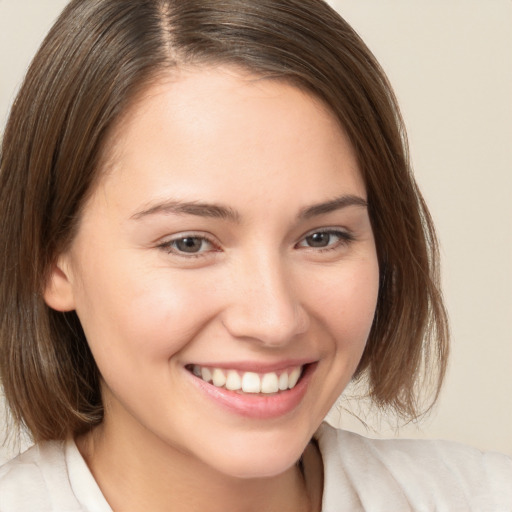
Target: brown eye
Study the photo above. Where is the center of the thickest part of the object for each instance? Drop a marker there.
(318, 239)
(189, 244)
(327, 239)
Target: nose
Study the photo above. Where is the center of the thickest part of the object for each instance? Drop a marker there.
(264, 305)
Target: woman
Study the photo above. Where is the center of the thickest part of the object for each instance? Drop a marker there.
(212, 228)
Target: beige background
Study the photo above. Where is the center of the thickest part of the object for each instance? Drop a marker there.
(451, 64)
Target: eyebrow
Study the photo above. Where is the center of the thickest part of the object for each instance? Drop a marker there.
(337, 203)
(190, 208)
(219, 211)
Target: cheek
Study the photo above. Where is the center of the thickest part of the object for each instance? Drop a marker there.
(360, 300)
(343, 306)
(346, 305)
(134, 317)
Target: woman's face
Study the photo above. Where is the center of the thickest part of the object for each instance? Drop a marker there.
(227, 239)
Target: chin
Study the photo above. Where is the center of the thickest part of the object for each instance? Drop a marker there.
(259, 458)
(249, 469)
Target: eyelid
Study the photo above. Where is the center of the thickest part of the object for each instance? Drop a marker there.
(345, 236)
(166, 244)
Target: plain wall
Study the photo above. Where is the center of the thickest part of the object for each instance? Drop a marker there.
(450, 62)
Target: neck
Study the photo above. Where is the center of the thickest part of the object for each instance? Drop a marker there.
(151, 475)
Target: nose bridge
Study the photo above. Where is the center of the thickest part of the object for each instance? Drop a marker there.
(265, 306)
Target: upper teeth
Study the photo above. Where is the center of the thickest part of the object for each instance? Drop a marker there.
(249, 382)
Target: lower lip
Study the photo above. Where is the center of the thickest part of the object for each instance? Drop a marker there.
(258, 405)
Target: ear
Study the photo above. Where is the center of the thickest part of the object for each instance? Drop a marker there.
(58, 293)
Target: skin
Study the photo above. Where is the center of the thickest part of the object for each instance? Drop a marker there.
(256, 290)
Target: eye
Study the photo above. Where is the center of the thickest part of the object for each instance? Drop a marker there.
(325, 239)
(189, 245)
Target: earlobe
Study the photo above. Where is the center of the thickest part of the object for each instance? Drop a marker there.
(58, 292)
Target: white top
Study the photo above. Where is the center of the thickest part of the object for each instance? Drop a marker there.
(402, 475)
(360, 474)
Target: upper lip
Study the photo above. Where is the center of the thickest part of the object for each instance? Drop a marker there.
(256, 366)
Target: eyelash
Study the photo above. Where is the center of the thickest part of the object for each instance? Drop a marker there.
(169, 246)
(344, 239)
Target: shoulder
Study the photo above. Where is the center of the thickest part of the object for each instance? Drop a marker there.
(416, 474)
(37, 480)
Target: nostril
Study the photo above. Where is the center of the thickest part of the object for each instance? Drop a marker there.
(277, 326)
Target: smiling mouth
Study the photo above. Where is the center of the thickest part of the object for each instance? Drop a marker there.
(249, 382)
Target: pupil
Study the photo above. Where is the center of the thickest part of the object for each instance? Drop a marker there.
(189, 244)
(318, 239)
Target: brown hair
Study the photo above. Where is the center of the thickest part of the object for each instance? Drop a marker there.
(94, 61)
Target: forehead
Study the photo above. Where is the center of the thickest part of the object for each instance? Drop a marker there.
(201, 126)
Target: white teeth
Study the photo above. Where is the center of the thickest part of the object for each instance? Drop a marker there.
(294, 377)
(283, 381)
(249, 382)
(218, 377)
(206, 374)
(269, 383)
(233, 381)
